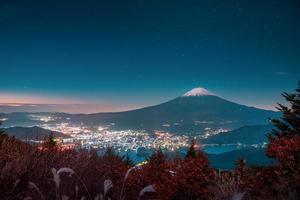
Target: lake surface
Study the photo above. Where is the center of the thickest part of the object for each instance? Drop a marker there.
(218, 149)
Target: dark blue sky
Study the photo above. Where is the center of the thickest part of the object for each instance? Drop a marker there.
(136, 53)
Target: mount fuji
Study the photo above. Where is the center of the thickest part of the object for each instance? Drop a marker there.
(192, 112)
(196, 92)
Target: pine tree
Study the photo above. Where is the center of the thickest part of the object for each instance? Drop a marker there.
(285, 137)
(192, 153)
(50, 141)
(289, 125)
(157, 158)
(110, 153)
(1, 133)
(1, 130)
(240, 168)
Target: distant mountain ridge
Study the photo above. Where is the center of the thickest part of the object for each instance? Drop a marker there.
(190, 113)
(246, 135)
(32, 133)
(253, 157)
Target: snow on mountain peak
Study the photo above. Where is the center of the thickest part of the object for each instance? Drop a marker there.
(198, 92)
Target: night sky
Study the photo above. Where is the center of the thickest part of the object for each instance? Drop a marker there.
(127, 54)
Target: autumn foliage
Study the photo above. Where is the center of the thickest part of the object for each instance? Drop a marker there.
(282, 180)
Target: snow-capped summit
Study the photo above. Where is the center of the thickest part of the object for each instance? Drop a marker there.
(198, 92)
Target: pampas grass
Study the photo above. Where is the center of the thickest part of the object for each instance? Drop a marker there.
(98, 197)
(76, 190)
(149, 188)
(64, 197)
(238, 196)
(124, 181)
(32, 185)
(128, 172)
(66, 170)
(107, 185)
(56, 178)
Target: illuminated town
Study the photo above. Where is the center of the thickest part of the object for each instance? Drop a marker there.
(101, 137)
(139, 143)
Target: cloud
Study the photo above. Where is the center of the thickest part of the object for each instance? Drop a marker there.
(280, 73)
(267, 107)
(13, 102)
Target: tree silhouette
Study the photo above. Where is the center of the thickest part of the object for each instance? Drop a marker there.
(157, 158)
(284, 140)
(50, 141)
(192, 153)
(240, 169)
(289, 125)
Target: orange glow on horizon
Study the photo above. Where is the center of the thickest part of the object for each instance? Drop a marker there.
(8, 98)
(41, 103)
